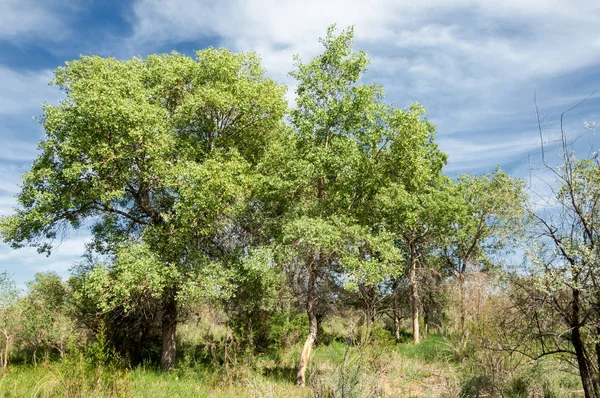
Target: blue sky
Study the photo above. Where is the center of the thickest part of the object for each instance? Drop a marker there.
(474, 64)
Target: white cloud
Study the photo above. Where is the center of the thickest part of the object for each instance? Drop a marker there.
(75, 246)
(275, 29)
(11, 176)
(466, 155)
(22, 93)
(474, 64)
(25, 262)
(24, 20)
(17, 151)
(7, 203)
(482, 37)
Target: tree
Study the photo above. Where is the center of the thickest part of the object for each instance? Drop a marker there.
(159, 154)
(410, 201)
(482, 215)
(350, 145)
(46, 322)
(335, 132)
(559, 296)
(10, 315)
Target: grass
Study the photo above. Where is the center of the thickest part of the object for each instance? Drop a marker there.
(50, 381)
(380, 369)
(433, 349)
(390, 370)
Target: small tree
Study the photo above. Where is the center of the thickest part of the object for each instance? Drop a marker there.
(10, 316)
(410, 209)
(335, 131)
(482, 215)
(46, 322)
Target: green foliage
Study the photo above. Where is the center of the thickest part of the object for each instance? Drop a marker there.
(47, 324)
(259, 282)
(130, 328)
(159, 150)
(160, 154)
(98, 352)
(136, 274)
(483, 214)
(10, 316)
(433, 348)
(9, 293)
(538, 380)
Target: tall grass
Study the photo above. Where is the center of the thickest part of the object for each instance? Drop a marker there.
(375, 368)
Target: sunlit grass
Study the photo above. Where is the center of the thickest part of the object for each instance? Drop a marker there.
(379, 368)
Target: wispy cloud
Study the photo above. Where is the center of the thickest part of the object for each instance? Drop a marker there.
(477, 37)
(474, 64)
(484, 154)
(22, 93)
(26, 20)
(23, 263)
(17, 151)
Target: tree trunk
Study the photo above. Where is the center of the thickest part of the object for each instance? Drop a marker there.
(313, 328)
(463, 310)
(586, 370)
(598, 348)
(396, 310)
(587, 373)
(169, 328)
(320, 330)
(6, 348)
(426, 321)
(369, 299)
(414, 294)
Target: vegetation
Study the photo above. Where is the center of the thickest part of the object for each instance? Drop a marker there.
(241, 248)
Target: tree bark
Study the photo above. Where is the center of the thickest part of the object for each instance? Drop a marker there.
(587, 373)
(463, 310)
(6, 348)
(425, 321)
(169, 328)
(586, 370)
(597, 346)
(369, 299)
(313, 326)
(396, 310)
(414, 294)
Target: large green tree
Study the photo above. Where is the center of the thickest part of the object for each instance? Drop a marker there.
(350, 146)
(158, 155)
(335, 130)
(410, 199)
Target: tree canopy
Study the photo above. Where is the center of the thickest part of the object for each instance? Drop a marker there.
(159, 156)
